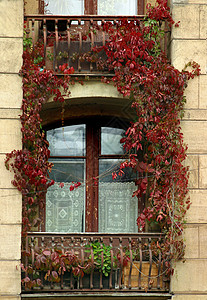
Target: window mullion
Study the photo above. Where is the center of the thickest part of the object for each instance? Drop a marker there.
(90, 7)
(92, 167)
(140, 7)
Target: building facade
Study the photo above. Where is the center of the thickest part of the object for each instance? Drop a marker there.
(188, 42)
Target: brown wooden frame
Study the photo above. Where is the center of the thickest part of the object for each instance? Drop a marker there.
(92, 157)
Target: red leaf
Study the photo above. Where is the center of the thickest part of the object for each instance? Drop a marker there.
(46, 252)
(61, 185)
(55, 274)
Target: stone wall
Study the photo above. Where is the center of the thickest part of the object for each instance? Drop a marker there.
(189, 43)
(11, 37)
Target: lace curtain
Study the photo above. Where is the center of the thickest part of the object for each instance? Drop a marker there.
(65, 209)
(117, 208)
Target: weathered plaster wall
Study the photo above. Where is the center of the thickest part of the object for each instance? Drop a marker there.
(189, 43)
(11, 37)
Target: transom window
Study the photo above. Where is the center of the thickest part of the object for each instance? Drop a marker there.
(93, 7)
(89, 153)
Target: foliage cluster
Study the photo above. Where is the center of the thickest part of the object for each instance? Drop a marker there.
(30, 164)
(53, 264)
(154, 140)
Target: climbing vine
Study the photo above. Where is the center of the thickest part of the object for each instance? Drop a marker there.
(154, 139)
(30, 165)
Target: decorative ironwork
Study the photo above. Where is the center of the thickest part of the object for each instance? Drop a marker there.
(67, 39)
(136, 262)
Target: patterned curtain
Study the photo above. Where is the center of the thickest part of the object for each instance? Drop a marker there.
(65, 209)
(118, 210)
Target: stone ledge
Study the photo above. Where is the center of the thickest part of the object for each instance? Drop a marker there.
(10, 113)
(10, 297)
(195, 115)
(189, 297)
(97, 296)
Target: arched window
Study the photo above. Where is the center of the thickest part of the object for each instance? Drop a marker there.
(88, 153)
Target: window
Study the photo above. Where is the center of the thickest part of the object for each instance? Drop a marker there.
(92, 7)
(89, 153)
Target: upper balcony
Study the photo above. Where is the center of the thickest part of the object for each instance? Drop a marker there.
(70, 39)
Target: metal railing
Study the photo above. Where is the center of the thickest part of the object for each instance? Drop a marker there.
(94, 262)
(68, 39)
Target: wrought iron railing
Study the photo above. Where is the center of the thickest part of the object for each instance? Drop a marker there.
(94, 262)
(68, 39)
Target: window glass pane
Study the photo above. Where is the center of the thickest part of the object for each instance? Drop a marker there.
(68, 170)
(118, 210)
(65, 7)
(67, 141)
(117, 7)
(110, 140)
(65, 208)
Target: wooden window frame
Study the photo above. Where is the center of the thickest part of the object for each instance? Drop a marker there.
(92, 157)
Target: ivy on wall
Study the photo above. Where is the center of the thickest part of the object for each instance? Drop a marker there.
(154, 139)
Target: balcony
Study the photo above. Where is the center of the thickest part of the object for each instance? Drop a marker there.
(70, 39)
(94, 263)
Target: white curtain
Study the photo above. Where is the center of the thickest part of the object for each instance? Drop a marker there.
(65, 7)
(65, 208)
(105, 7)
(117, 7)
(118, 210)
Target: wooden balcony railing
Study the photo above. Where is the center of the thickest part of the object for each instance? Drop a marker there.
(68, 39)
(94, 262)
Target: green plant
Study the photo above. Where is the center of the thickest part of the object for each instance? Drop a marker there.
(27, 42)
(101, 257)
(50, 55)
(61, 55)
